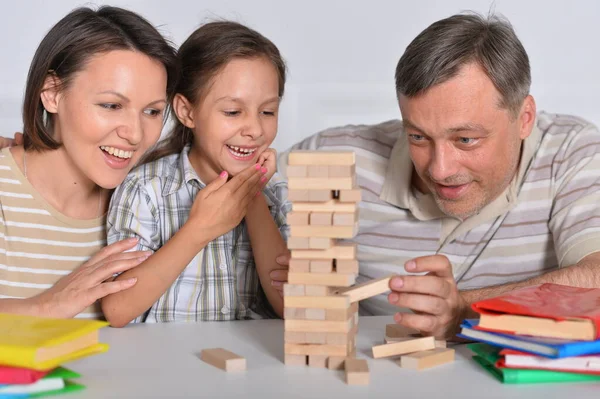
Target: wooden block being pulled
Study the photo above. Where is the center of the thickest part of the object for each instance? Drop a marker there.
(345, 219)
(293, 289)
(321, 219)
(301, 157)
(321, 266)
(328, 279)
(319, 243)
(336, 362)
(427, 359)
(299, 266)
(439, 343)
(320, 183)
(318, 349)
(346, 266)
(328, 205)
(401, 348)
(223, 359)
(298, 243)
(367, 289)
(341, 171)
(320, 326)
(318, 361)
(296, 171)
(357, 371)
(321, 302)
(318, 171)
(340, 251)
(295, 360)
(350, 196)
(297, 219)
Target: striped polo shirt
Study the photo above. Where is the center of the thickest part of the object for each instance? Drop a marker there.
(38, 244)
(548, 217)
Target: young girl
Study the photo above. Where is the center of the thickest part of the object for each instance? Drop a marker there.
(95, 96)
(208, 264)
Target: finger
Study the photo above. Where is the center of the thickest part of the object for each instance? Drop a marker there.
(124, 256)
(249, 189)
(280, 275)
(278, 285)
(108, 270)
(111, 287)
(419, 303)
(283, 260)
(115, 248)
(18, 140)
(425, 323)
(437, 264)
(245, 179)
(429, 285)
(215, 184)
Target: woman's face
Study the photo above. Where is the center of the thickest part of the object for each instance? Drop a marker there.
(110, 114)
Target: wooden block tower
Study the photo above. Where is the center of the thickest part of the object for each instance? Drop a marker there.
(320, 323)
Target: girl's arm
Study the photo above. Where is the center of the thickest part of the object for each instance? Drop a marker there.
(267, 244)
(217, 209)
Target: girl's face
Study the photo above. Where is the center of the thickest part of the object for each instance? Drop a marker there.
(236, 119)
(110, 114)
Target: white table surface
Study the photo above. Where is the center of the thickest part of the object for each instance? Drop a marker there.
(161, 361)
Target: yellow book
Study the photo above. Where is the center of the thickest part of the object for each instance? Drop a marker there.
(43, 343)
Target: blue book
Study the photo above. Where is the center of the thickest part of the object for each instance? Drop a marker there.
(549, 347)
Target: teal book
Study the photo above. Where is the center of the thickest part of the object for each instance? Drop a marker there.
(487, 356)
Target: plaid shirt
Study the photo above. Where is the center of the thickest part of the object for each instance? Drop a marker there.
(221, 282)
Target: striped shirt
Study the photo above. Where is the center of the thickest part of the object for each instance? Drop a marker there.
(221, 281)
(548, 217)
(38, 244)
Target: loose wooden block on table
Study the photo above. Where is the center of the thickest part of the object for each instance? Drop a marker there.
(328, 279)
(299, 266)
(296, 171)
(320, 219)
(321, 326)
(403, 347)
(324, 206)
(318, 361)
(297, 219)
(357, 371)
(426, 359)
(321, 158)
(340, 251)
(367, 289)
(318, 171)
(321, 266)
(319, 302)
(298, 243)
(347, 266)
(352, 196)
(319, 243)
(223, 359)
(295, 360)
(317, 349)
(321, 183)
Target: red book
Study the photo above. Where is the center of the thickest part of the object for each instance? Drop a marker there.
(18, 375)
(545, 310)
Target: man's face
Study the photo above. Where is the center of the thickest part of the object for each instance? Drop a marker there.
(464, 146)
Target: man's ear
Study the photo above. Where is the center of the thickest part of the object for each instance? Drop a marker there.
(184, 110)
(527, 117)
(51, 93)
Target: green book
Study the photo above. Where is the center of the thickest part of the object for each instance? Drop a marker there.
(487, 356)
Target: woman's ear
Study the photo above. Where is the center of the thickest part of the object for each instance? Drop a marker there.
(51, 93)
(184, 111)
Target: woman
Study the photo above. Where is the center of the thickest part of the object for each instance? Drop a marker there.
(96, 95)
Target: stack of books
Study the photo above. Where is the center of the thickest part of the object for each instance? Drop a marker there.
(32, 350)
(543, 333)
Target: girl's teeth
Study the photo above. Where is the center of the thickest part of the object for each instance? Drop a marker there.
(117, 152)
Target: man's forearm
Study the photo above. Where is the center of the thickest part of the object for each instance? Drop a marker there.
(584, 274)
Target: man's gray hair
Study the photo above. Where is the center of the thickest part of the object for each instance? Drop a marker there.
(437, 54)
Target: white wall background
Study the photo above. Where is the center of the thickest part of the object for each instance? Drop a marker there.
(341, 54)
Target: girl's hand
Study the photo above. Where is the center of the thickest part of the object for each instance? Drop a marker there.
(268, 160)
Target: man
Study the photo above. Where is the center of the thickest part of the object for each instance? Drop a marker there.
(473, 188)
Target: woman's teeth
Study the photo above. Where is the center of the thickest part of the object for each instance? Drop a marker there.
(116, 152)
(241, 152)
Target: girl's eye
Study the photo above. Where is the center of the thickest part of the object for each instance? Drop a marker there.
(153, 112)
(269, 113)
(110, 106)
(231, 113)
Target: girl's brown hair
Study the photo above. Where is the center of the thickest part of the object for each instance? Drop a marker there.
(69, 45)
(208, 50)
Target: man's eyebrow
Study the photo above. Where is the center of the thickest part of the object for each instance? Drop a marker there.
(468, 127)
(409, 125)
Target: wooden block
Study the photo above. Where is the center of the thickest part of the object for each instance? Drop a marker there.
(319, 183)
(319, 243)
(317, 290)
(345, 219)
(324, 326)
(350, 196)
(293, 290)
(316, 349)
(342, 338)
(341, 171)
(318, 171)
(300, 157)
(336, 362)
(439, 343)
(223, 359)
(299, 266)
(367, 289)
(341, 314)
(314, 314)
(346, 266)
(328, 279)
(319, 196)
(297, 219)
(321, 266)
(323, 231)
(315, 338)
(298, 196)
(320, 302)
(427, 359)
(357, 371)
(294, 313)
(298, 243)
(296, 171)
(339, 251)
(295, 360)
(397, 348)
(294, 337)
(320, 219)
(324, 206)
(317, 361)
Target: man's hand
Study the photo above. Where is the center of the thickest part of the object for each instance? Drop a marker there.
(280, 276)
(7, 142)
(434, 298)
